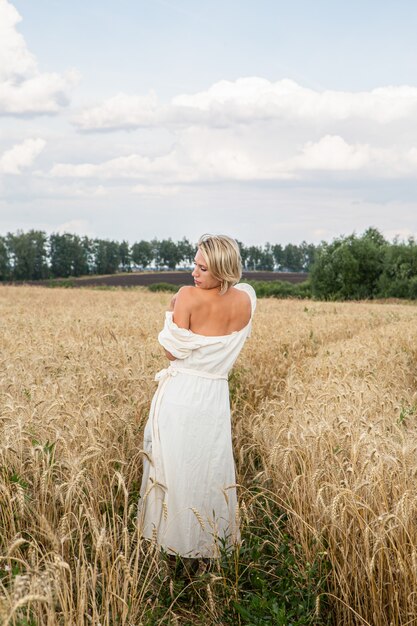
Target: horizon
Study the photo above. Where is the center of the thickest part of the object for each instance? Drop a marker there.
(395, 239)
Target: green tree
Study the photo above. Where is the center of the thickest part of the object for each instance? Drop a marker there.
(244, 253)
(267, 258)
(292, 258)
(5, 269)
(125, 256)
(142, 253)
(254, 258)
(68, 255)
(308, 255)
(28, 253)
(84, 262)
(372, 235)
(278, 253)
(61, 254)
(169, 253)
(106, 256)
(79, 257)
(399, 275)
(156, 255)
(335, 274)
(186, 250)
(369, 250)
(349, 267)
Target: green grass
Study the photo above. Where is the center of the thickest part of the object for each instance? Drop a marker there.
(263, 288)
(266, 581)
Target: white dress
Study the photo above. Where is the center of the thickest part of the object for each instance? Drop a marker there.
(188, 500)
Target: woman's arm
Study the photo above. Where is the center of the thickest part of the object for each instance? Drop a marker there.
(170, 356)
(180, 302)
(182, 307)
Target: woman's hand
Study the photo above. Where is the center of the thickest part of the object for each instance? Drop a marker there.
(170, 356)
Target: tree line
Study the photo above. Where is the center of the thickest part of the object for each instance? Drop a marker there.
(367, 266)
(350, 267)
(354, 268)
(34, 255)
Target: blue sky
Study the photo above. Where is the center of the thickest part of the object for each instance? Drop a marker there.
(268, 121)
(172, 45)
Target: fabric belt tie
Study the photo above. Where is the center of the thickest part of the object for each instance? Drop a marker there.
(172, 371)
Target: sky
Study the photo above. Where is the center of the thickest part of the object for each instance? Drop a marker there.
(270, 121)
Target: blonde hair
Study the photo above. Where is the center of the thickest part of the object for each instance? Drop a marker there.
(222, 255)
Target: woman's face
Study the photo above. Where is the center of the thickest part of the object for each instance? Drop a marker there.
(202, 277)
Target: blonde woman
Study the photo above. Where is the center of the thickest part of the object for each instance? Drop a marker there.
(188, 493)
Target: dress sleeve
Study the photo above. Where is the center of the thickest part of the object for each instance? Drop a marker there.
(180, 342)
(251, 293)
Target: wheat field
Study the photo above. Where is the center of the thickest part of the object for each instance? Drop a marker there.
(324, 406)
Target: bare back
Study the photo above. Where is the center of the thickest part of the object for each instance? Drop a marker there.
(215, 315)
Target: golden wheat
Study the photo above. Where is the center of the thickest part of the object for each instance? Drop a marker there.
(324, 404)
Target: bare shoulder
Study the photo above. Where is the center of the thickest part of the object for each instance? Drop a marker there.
(183, 298)
(237, 293)
(241, 298)
(186, 293)
(182, 307)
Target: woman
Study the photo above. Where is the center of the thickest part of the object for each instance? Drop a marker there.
(188, 495)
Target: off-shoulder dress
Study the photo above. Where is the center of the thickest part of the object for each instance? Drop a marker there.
(188, 498)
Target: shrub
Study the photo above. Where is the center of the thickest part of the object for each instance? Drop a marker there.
(163, 287)
(281, 289)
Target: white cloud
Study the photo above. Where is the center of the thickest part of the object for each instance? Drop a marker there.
(412, 157)
(133, 166)
(252, 129)
(23, 88)
(201, 157)
(15, 58)
(121, 111)
(21, 156)
(187, 163)
(249, 100)
(75, 190)
(332, 153)
(156, 190)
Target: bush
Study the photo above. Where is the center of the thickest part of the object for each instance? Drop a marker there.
(413, 288)
(164, 287)
(281, 289)
(263, 288)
